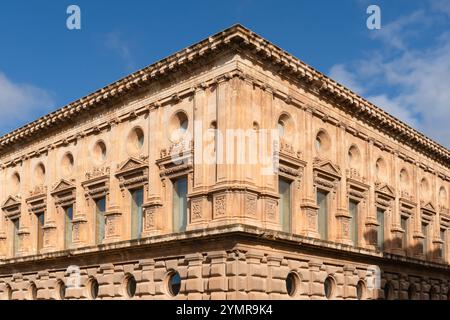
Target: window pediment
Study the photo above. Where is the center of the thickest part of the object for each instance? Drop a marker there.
(385, 189)
(62, 186)
(64, 192)
(133, 172)
(131, 164)
(11, 207)
(407, 207)
(357, 190)
(327, 168)
(428, 206)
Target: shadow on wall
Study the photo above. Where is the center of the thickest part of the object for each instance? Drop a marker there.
(395, 286)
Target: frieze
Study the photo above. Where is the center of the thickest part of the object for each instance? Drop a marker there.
(97, 172)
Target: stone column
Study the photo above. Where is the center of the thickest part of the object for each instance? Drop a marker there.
(50, 231)
(396, 230)
(371, 222)
(436, 240)
(343, 217)
(113, 214)
(308, 204)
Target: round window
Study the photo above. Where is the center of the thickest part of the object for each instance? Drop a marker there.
(388, 291)
(39, 173)
(360, 290)
(131, 286)
(33, 292)
(94, 289)
(281, 129)
(412, 292)
(135, 140)
(99, 151)
(174, 284)
(67, 163)
(15, 179)
(292, 282)
(178, 126)
(322, 142)
(329, 287)
(62, 290)
(8, 291)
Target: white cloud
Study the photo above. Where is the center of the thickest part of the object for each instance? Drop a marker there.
(20, 103)
(395, 33)
(413, 85)
(116, 43)
(343, 76)
(441, 5)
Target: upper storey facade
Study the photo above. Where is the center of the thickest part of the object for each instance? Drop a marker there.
(231, 130)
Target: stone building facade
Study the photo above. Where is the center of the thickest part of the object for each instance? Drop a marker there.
(229, 170)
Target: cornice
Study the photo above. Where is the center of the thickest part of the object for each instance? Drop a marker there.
(238, 37)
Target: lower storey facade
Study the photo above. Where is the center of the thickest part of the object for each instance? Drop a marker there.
(232, 263)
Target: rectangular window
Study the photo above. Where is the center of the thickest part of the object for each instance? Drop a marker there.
(353, 210)
(380, 231)
(284, 190)
(100, 207)
(15, 236)
(68, 220)
(425, 239)
(179, 203)
(40, 231)
(322, 215)
(443, 247)
(404, 225)
(137, 199)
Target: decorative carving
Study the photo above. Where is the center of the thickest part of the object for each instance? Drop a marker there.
(220, 206)
(250, 205)
(196, 209)
(345, 228)
(312, 220)
(271, 209)
(354, 174)
(178, 148)
(38, 190)
(133, 173)
(97, 172)
(110, 226)
(76, 231)
(149, 217)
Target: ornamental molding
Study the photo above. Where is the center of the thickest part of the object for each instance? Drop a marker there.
(133, 173)
(385, 190)
(64, 193)
(427, 206)
(11, 207)
(327, 167)
(237, 38)
(62, 186)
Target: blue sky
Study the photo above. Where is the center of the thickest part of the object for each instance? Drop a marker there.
(404, 67)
